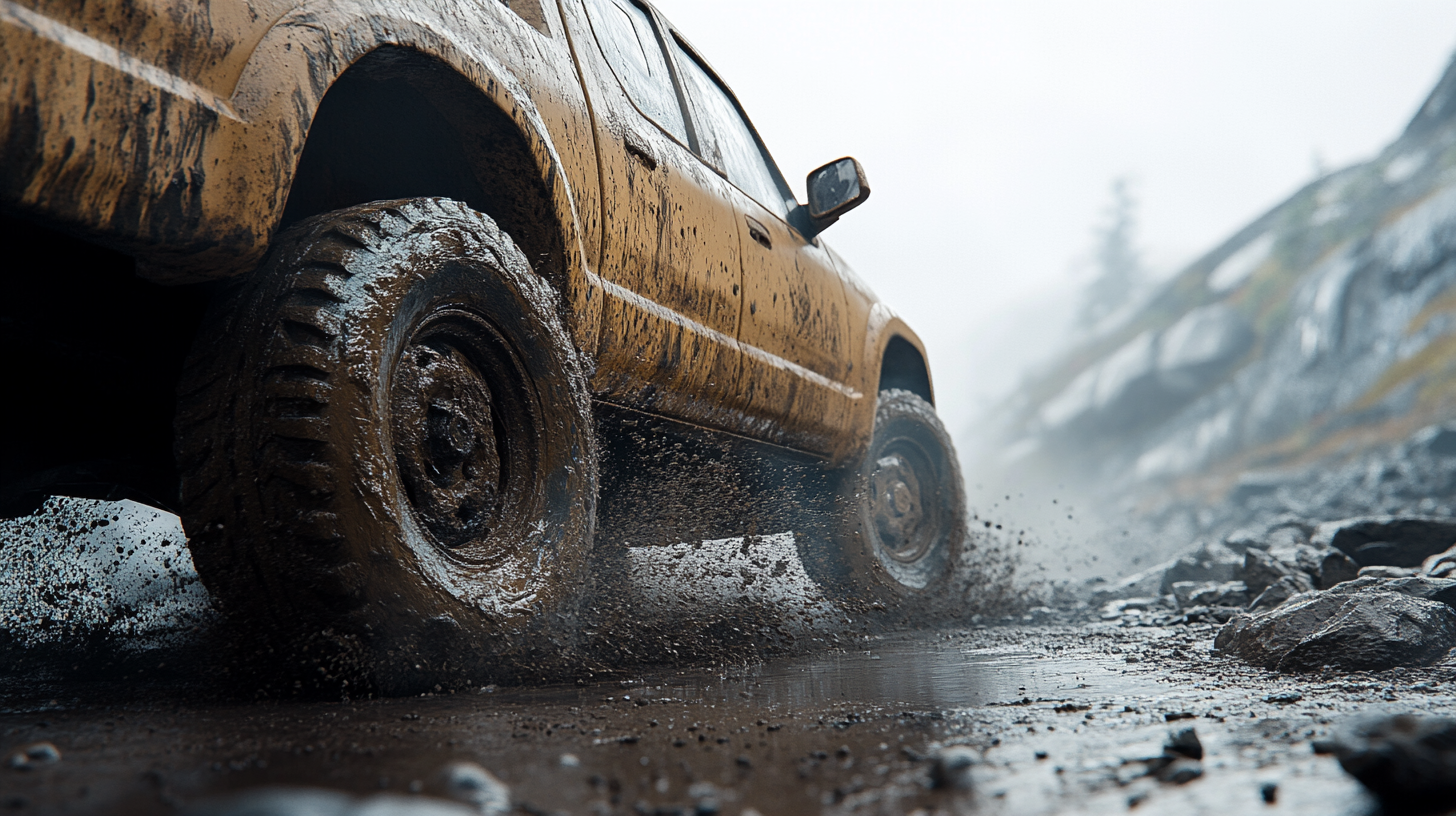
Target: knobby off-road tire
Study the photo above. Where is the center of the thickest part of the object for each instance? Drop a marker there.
(387, 455)
(903, 513)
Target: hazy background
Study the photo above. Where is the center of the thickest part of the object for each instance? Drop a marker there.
(992, 131)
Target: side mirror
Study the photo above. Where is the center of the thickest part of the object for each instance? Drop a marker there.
(835, 189)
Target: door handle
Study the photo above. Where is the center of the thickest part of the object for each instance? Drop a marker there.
(637, 148)
(758, 232)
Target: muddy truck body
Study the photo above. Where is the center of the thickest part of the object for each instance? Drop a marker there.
(417, 312)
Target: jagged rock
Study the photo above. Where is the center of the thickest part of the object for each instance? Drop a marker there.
(1184, 742)
(1279, 592)
(1336, 568)
(1441, 565)
(1441, 590)
(1408, 762)
(1301, 556)
(1389, 541)
(1284, 532)
(1263, 639)
(1207, 562)
(1245, 539)
(1377, 630)
(1261, 569)
(1368, 628)
(1210, 593)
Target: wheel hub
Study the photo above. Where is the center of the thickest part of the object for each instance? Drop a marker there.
(898, 509)
(445, 440)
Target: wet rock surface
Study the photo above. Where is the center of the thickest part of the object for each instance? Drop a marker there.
(1371, 629)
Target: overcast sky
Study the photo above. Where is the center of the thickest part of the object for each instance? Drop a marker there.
(991, 133)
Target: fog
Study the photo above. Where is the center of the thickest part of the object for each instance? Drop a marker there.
(992, 132)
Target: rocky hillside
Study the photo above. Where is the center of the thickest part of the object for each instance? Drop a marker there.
(1322, 331)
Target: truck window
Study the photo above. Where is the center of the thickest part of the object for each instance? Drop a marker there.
(727, 141)
(630, 43)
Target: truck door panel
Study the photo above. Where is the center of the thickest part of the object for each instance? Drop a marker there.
(670, 249)
(794, 330)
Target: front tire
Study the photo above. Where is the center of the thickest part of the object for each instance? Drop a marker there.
(904, 512)
(385, 436)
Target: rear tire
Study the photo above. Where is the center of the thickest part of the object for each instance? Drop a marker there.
(387, 455)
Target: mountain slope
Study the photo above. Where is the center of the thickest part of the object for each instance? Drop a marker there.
(1325, 327)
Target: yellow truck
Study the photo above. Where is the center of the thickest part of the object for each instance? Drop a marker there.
(381, 296)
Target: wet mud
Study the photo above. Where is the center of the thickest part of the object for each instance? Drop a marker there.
(120, 694)
(1051, 719)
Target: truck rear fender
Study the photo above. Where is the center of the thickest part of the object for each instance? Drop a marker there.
(369, 108)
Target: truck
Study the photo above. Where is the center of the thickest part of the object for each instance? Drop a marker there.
(418, 312)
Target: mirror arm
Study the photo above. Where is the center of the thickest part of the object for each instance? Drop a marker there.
(807, 225)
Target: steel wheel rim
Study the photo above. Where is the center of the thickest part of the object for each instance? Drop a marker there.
(464, 426)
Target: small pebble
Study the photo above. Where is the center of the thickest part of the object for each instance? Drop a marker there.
(952, 768)
(1284, 697)
(35, 755)
(468, 782)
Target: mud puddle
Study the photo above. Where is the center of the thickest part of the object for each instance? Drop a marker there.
(1057, 720)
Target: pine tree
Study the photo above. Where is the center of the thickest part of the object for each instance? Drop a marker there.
(1118, 263)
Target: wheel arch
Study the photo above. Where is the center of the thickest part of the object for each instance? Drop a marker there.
(895, 355)
(401, 123)
(902, 366)
(484, 140)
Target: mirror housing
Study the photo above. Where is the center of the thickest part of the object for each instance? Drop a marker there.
(835, 189)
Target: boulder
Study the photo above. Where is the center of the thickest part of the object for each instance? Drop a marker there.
(1408, 762)
(1245, 539)
(1441, 590)
(1138, 585)
(1263, 639)
(1377, 630)
(1388, 541)
(1357, 628)
(1301, 556)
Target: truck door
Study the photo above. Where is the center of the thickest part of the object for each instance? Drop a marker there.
(795, 329)
(670, 267)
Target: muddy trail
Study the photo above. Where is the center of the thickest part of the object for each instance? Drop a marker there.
(121, 693)
(1007, 719)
